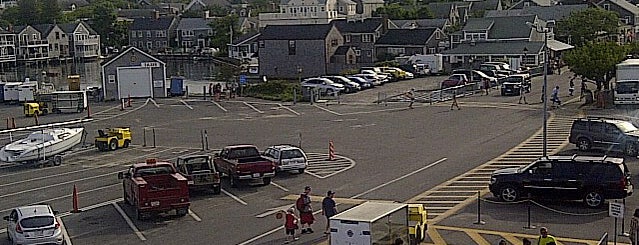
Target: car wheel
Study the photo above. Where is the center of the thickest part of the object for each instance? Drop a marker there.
(300, 171)
(267, 181)
(233, 181)
(508, 193)
(182, 211)
(217, 190)
(631, 149)
(126, 143)
(583, 144)
(113, 145)
(593, 199)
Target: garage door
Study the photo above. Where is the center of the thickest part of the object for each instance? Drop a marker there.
(135, 82)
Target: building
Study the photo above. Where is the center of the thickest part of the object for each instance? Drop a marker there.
(244, 48)
(628, 16)
(31, 46)
(470, 55)
(56, 38)
(194, 35)
(423, 41)
(152, 35)
(7, 47)
(135, 74)
(361, 36)
(318, 12)
(442, 24)
(84, 42)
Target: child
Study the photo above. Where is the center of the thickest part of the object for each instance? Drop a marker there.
(290, 224)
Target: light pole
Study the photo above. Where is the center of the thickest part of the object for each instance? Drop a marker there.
(545, 86)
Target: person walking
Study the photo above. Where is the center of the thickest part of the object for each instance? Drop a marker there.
(522, 95)
(328, 210)
(571, 88)
(454, 104)
(411, 96)
(303, 205)
(544, 238)
(486, 86)
(583, 87)
(555, 96)
(290, 224)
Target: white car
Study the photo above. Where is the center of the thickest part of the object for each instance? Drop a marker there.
(324, 85)
(287, 158)
(382, 77)
(35, 224)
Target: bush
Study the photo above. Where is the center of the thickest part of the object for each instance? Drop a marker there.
(277, 90)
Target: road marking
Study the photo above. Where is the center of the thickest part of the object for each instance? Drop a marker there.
(59, 184)
(234, 197)
(70, 195)
(275, 210)
(327, 110)
(186, 104)
(194, 216)
(65, 234)
(279, 186)
(128, 221)
(253, 107)
(219, 106)
(400, 178)
(152, 100)
(289, 109)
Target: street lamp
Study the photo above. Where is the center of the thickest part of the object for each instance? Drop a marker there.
(544, 30)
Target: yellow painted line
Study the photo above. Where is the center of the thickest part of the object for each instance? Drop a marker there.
(477, 238)
(434, 197)
(512, 239)
(435, 236)
(341, 200)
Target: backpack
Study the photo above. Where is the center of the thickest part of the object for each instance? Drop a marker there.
(299, 204)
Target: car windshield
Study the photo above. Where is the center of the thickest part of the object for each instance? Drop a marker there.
(292, 154)
(627, 87)
(625, 126)
(37, 221)
(197, 164)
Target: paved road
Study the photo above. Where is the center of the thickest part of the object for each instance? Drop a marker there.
(385, 152)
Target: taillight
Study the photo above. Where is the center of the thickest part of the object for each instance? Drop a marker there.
(623, 183)
(18, 228)
(57, 225)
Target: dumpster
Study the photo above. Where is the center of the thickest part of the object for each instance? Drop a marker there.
(177, 86)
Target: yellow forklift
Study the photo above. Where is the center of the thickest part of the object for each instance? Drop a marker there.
(111, 139)
(36, 108)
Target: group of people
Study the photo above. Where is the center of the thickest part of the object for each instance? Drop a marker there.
(543, 239)
(216, 90)
(306, 217)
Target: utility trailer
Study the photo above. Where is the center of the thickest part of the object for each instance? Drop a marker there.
(383, 223)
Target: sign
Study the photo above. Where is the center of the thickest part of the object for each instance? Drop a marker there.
(242, 79)
(150, 64)
(158, 83)
(615, 209)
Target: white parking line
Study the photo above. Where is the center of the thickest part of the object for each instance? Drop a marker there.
(253, 107)
(186, 104)
(220, 106)
(65, 234)
(128, 221)
(194, 216)
(279, 186)
(71, 195)
(234, 197)
(327, 110)
(289, 109)
(152, 100)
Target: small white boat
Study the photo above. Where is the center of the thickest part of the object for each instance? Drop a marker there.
(41, 145)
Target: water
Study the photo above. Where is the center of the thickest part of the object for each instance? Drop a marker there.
(196, 73)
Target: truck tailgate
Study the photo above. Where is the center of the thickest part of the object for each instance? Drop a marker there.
(261, 166)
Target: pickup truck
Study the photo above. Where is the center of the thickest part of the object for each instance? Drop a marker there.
(244, 162)
(200, 172)
(155, 187)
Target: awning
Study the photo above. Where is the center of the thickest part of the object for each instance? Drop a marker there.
(555, 45)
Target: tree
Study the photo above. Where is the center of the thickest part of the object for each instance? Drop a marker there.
(222, 33)
(49, 11)
(394, 11)
(596, 61)
(28, 12)
(103, 20)
(587, 25)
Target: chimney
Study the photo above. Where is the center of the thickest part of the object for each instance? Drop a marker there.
(207, 14)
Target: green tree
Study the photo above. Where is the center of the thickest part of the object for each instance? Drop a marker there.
(28, 12)
(103, 20)
(49, 11)
(9, 16)
(394, 11)
(596, 61)
(587, 25)
(222, 33)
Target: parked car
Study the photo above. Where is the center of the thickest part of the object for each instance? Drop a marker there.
(605, 133)
(385, 78)
(589, 178)
(323, 84)
(495, 68)
(512, 84)
(476, 76)
(200, 172)
(396, 72)
(378, 70)
(481, 76)
(371, 78)
(244, 163)
(454, 80)
(493, 74)
(349, 86)
(363, 82)
(287, 158)
(35, 224)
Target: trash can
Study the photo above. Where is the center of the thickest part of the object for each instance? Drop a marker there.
(74, 82)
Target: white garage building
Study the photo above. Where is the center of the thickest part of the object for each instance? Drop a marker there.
(135, 74)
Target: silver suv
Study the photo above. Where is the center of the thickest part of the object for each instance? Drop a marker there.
(35, 224)
(287, 158)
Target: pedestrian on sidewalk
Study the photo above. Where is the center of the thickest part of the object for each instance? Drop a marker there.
(583, 88)
(486, 86)
(328, 210)
(571, 88)
(290, 224)
(522, 95)
(545, 238)
(454, 104)
(411, 96)
(555, 96)
(303, 205)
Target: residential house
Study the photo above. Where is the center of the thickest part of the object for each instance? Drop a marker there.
(530, 3)
(479, 8)
(442, 24)
(199, 6)
(361, 35)
(318, 12)
(422, 41)
(152, 35)
(247, 24)
(7, 46)
(72, 5)
(507, 28)
(56, 38)
(30, 44)
(5, 4)
(194, 34)
(445, 10)
(84, 42)
(244, 48)
(628, 16)
(291, 51)
(470, 55)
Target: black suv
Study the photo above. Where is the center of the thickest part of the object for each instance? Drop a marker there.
(607, 133)
(588, 178)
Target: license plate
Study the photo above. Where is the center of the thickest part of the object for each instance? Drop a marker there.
(256, 175)
(156, 203)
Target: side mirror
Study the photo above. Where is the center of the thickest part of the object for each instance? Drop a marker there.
(5, 218)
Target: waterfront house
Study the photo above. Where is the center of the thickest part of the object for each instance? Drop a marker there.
(56, 38)
(291, 51)
(153, 35)
(361, 35)
(7, 46)
(31, 46)
(84, 42)
(318, 12)
(133, 73)
(194, 35)
(442, 24)
(244, 48)
(199, 6)
(423, 41)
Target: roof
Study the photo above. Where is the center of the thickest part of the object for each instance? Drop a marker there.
(358, 26)
(484, 5)
(35, 210)
(399, 36)
(162, 23)
(208, 3)
(440, 9)
(246, 37)
(555, 12)
(474, 24)
(342, 50)
(19, 28)
(130, 49)
(555, 45)
(625, 5)
(295, 32)
(511, 27)
(136, 13)
(487, 48)
(44, 29)
(370, 211)
(421, 23)
(193, 24)
(70, 27)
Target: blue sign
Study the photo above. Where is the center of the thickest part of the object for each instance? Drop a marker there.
(242, 79)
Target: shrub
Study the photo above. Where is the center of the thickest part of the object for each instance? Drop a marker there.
(277, 90)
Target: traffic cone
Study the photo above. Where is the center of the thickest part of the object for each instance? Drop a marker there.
(75, 200)
(331, 150)
(88, 111)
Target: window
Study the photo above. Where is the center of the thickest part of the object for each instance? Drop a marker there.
(358, 52)
(157, 44)
(347, 38)
(333, 42)
(148, 33)
(627, 20)
(395, 50)
(57, 35)
(291, 47)
(133, 34)
(133, 44)
(526, 4)
(438, 35)
(369, 53)
(164, 43)
(140, 34)
(367, 38)
(341, 8)
(149, 45)
(606, 6)
(431, 50)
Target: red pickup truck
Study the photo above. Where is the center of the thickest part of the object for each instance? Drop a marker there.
(155, 187)
(244, 162)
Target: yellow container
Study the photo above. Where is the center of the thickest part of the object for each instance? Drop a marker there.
(74, 82)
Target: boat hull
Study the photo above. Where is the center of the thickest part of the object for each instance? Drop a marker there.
(34, 149)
